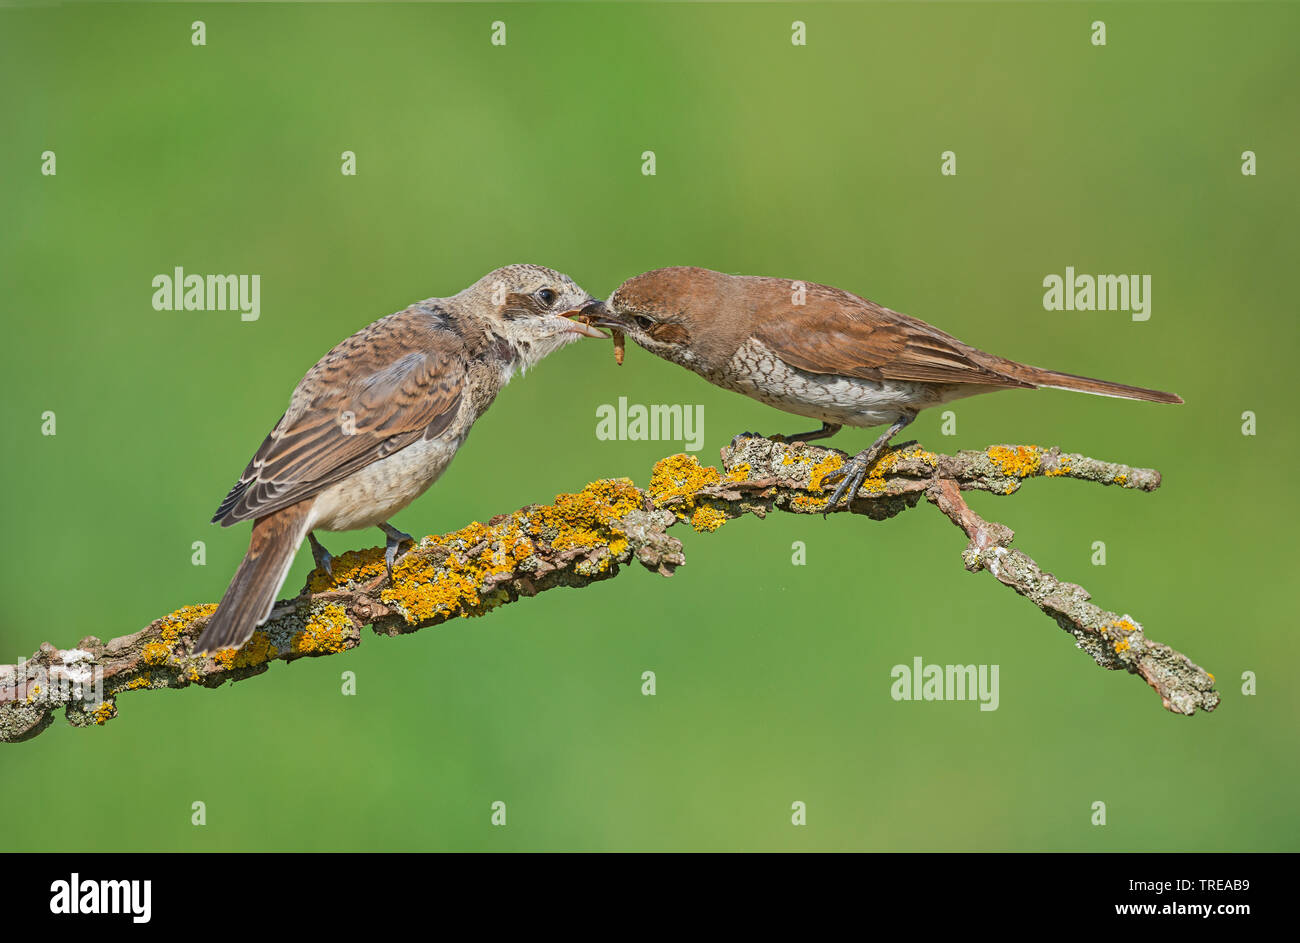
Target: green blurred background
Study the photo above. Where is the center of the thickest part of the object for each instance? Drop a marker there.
(820, 163)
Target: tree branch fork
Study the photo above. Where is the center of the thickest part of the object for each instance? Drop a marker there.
(588, 537)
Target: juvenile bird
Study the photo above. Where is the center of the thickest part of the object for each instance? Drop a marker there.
(378, 419)
(820, 352)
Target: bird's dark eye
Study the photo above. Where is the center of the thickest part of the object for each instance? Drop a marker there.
(643, 322)
(546, 297)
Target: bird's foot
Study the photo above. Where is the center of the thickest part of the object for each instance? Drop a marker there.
(854, 472)
(850, 476)
(827, 429)
(324, 561)
(395, 539)
(746, 435)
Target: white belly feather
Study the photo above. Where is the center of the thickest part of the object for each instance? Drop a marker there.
(381, 489)
(757, 372)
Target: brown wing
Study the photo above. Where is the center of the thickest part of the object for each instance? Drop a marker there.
(836, 332)
(383, 388)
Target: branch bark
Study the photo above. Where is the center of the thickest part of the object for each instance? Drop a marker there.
(587, 537)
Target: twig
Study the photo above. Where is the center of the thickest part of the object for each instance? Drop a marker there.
(584, 538)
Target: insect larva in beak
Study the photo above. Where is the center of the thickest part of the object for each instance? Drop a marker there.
(619, 348)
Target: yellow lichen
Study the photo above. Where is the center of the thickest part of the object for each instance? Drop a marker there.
(739, 472)
(874, 486)
(583, 520)
(355, 566)
(140, 682)
(708, 519)
(155, 653)
(170, 630)
(586, 521)
(104, 713)
(256, 650)
(832, 462)
(885, 464)
(1120, 628)
(423, 592)
(1062, 468)
(1121, 479)
(803, 502)
(1019, 462)
(175, 623)
(680, 477)
(325, 631)
(1121, 646)
(889, 461)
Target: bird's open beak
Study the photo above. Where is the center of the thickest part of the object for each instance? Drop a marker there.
(598, 314)
(582, 319)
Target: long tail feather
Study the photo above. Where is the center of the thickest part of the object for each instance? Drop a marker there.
(1068, 381)
(252, 591)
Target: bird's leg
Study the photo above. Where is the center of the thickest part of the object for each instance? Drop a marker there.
(828, 429)
(395, 539)
(324, 562)
(855, 470)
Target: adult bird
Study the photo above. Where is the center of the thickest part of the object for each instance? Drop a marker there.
(821, 352)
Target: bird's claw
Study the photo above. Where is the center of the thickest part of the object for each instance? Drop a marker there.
(324, 560)
(850, 477)
(395, 539)
(747, 435)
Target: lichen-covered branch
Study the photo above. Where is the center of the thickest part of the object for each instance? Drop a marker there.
(584, 538)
